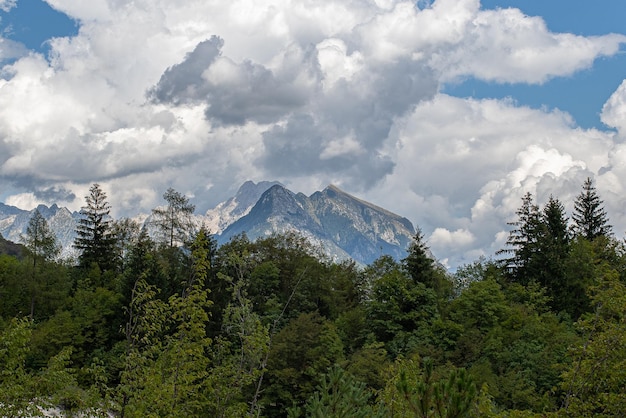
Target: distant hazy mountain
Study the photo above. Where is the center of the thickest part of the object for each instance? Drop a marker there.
(339, 224)
(14, 221)
(342, 225)
(224, 214)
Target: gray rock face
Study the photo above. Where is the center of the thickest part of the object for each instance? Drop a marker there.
(14, 221)
(342, 225)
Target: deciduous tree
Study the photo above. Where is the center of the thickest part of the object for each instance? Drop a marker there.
(42, 247)
(174, 220)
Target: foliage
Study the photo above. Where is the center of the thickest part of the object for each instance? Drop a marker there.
(270, 328)
(42, 247)
(415, 390)
(590, 219)
(401, 312)
(300, 354)
(594, 384)
(94, 237)
(174, 221)
(339, 395)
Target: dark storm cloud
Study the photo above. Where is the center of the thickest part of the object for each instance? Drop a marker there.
(363, 109)
(183, 82)
(257, 95)
(320, 128)
(55, 194)
(297, 149)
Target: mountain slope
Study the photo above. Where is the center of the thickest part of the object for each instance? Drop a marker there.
(14, 221)
(340, 224)
(225, 213)
(337, 223)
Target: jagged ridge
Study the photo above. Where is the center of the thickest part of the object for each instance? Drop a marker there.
(341, 225)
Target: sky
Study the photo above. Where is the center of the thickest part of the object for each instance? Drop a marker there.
(445, 112)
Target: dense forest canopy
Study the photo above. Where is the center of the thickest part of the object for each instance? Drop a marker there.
(178, 326)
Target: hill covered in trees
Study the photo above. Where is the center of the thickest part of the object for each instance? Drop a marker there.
(179, 326)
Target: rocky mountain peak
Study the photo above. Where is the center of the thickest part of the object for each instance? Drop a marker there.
(341, 225)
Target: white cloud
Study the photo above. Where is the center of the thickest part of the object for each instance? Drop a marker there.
(7, 5)
(463, 166)
(10, 50)
(202, 95)
(505, 45)
(443, 238)
(614, 110)
(26, 201)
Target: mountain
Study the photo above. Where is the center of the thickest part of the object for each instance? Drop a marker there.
(225, 213)
(11, 248)
(14, 221)
(341, 225)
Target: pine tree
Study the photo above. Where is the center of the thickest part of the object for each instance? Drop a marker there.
(590, 218)
(523, 241)
(94, 237)
(174, 221)
(42, 246)
(553, 255)
(421, 267)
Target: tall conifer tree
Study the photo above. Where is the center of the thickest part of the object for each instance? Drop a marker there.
(94, 237)
(523, 241)
(554, 250)
(590, 218)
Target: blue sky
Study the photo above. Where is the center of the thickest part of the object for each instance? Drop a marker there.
(33, 22)
(394, 103)
(583, 94)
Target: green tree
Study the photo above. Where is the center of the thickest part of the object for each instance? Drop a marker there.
(239, 357)
(401, 312)
(414, 389)
(126, 232)
(523, 242)
(339, 395)
(553, 254)
(300, 354)
(594, 385)
(147, 318)
(421, 267)
(17, 387)
(174, 378)
(94, 237)
(42, 247)
(26, 393)
(589, 216)
(174, 221)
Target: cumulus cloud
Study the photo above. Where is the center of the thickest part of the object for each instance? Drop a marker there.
(462, 167)
(6, 5)
(614, 110)
(203, 95)
(505, 45)
(10, 50)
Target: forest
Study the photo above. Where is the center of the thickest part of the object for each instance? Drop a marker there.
(168, 324)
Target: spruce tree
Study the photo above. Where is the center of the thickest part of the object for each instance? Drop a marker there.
(554, 249)
(590, 218)
(523, 242)
(422, 268)
(94, 237)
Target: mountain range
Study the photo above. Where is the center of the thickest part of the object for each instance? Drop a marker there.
(340, 225)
